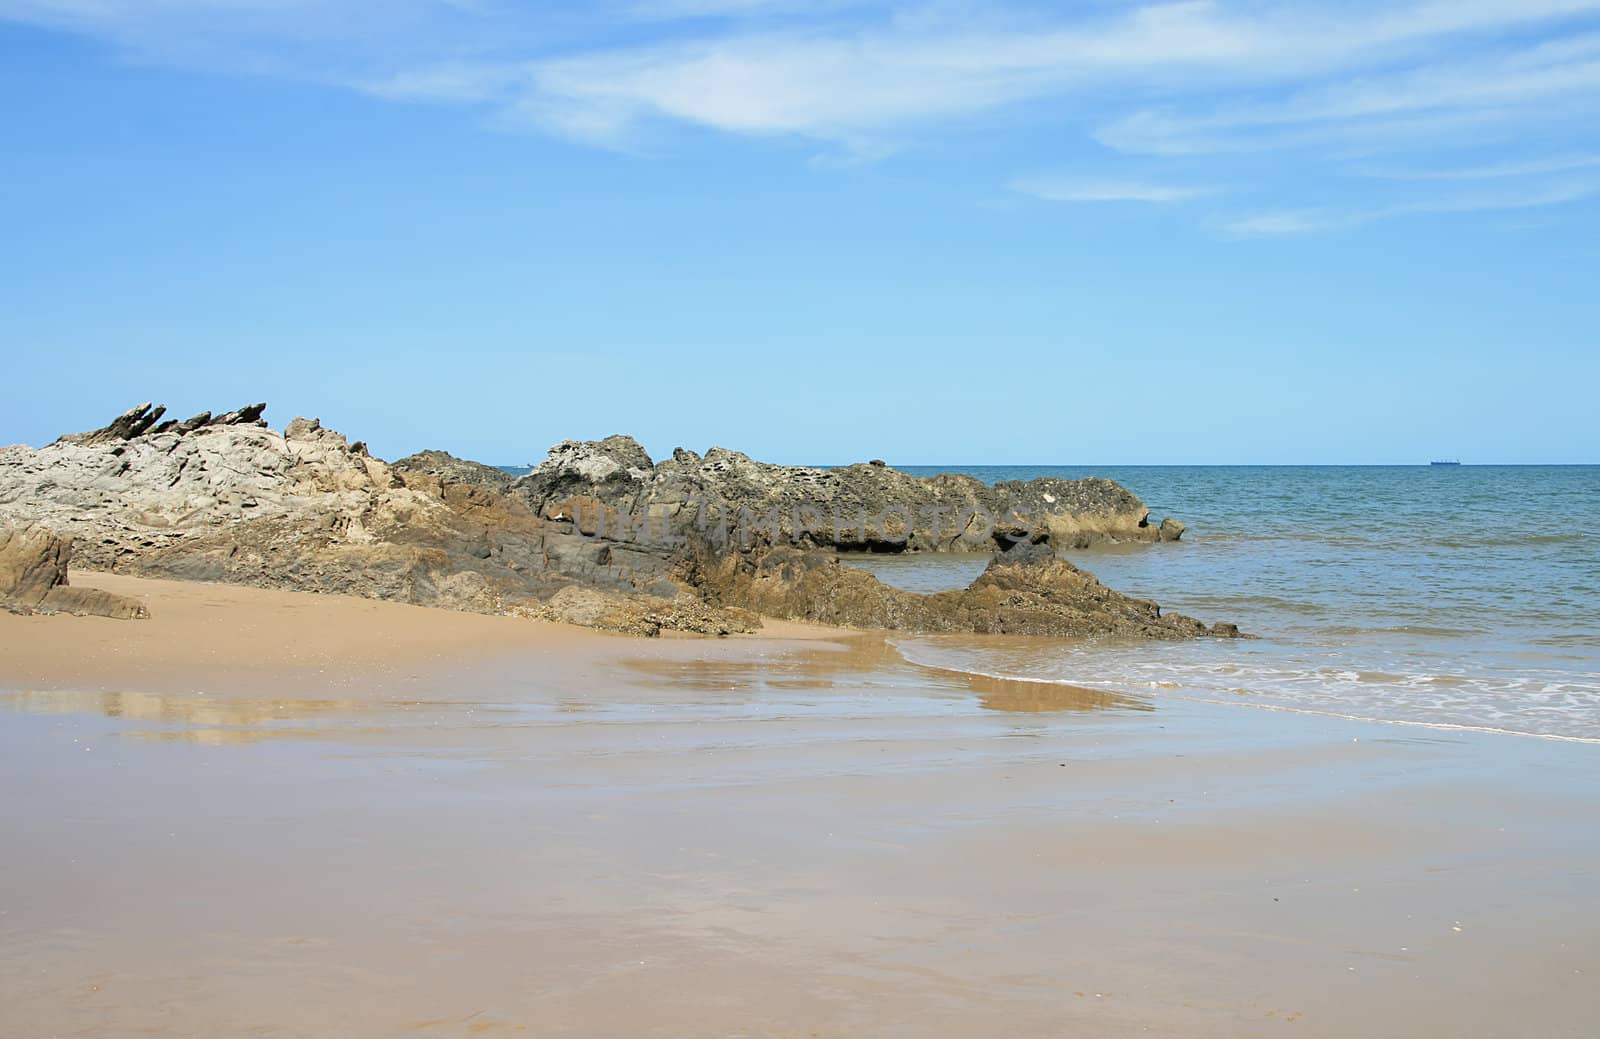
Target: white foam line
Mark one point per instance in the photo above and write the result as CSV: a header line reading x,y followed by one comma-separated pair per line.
x,y
1447,726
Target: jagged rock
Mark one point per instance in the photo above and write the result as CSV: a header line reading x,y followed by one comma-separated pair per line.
x,y
31,563
863,507
228,499
451,469
247,415
614,470
1026,590
125,426
306,510
33,579
1170,530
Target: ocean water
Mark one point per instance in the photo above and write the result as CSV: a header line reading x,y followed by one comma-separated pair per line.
x,y
1451,597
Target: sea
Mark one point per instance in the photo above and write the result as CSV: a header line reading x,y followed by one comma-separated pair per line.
x,y
1453,597
1450,597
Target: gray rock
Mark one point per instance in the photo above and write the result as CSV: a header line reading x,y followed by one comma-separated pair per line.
x,y
865,507
131,423
228,499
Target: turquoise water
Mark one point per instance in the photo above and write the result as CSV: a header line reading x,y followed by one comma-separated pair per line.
x,y
1442,596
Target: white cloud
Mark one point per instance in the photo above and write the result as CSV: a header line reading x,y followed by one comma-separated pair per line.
x,y
1283,223
1295,222
671,10
1069,189
1189,81
1465,85
1497,171
844,77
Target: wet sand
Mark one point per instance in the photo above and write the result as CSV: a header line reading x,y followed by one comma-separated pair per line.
x,y
274,814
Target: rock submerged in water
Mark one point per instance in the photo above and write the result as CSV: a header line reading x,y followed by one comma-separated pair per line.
x,y
1026,590
229,499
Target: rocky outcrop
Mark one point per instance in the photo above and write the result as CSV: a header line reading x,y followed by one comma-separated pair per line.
x,y
33,579
146,418
644,614
597,534
450,469
866,507
303,509
1026,590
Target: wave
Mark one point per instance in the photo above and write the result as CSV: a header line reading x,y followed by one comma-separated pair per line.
x,y
1431,631
1187,687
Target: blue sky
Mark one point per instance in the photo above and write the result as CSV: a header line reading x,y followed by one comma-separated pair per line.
x,y
819,232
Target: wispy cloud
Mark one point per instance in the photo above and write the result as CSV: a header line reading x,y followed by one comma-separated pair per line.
x,y
1071,189
1285,223
674,10
1296,222
825,84
1495,171
1503,87
1213,91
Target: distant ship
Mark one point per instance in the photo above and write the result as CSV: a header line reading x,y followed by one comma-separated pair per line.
x,y
1446,461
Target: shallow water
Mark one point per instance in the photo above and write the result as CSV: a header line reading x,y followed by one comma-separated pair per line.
x,y
677,838
1445,596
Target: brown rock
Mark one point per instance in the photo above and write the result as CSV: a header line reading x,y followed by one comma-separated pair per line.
x,y
598,534
1026,590
33,579
643,614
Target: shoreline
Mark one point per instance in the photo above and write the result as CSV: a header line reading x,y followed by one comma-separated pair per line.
x,y
316,630
1309,712
221,632
444,824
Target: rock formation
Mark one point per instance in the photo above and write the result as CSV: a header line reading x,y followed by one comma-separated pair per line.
x,y
33,579
597,534
864,507
450,469
1026,590
146,418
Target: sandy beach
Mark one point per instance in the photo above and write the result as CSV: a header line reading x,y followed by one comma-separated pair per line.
x,y
271,813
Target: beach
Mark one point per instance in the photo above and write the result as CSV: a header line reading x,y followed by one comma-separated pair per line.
x,y
286,814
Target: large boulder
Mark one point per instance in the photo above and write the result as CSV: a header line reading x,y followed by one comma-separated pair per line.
x,y
33,579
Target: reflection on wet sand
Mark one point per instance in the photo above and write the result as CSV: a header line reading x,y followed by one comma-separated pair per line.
x,y
208,720
858,660
1004,694
588,836
855,666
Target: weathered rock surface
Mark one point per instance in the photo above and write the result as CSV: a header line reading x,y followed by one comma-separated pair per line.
x,y
1026,590
229,499
450,469
864,507
146,418
33,579
644,614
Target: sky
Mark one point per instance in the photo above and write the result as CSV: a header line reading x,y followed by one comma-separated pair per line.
x,y
1333,231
